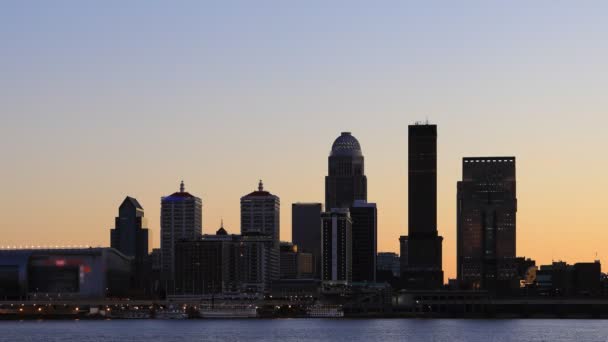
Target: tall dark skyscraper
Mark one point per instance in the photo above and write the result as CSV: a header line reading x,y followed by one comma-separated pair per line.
x,y
346,181
424,245
336,246
181,218
364,241
130,235
487,207
306,231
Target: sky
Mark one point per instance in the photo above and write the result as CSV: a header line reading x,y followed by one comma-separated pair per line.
x,y
100,100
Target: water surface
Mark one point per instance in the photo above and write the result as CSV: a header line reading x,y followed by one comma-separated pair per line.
x,y
286,330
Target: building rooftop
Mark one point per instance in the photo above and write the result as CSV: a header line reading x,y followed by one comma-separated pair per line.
x,y
346,145
133,202
260,192
180,195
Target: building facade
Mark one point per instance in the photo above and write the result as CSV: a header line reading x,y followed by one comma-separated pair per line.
x,y
364,241
210,265
181,218
423,270
296,264
306,231
260,230
346,181
336,246
130,235
65,273
486,222
389,262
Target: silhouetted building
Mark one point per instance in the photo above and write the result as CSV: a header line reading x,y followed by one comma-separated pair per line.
x,y
260,228
364,218
210,265
154,266
181,218
389,262
294,263
259,263
424,246
346,181
130,237
562,280
486,223
587,278
64,273
306,231
336,246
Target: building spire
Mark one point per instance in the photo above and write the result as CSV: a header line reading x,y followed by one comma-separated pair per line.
x,y
181,187
222,223
260,186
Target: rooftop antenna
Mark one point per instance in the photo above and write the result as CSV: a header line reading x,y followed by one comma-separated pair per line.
x,y
260,186
181,186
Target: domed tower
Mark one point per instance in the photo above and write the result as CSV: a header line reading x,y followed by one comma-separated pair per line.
x,y
346,181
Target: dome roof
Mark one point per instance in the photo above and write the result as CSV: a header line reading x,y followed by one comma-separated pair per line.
x,y
346,145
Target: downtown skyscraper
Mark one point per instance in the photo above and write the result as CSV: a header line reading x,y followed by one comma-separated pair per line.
x,y
346,189
364,241
306,231
486,226
346,181
260,230
336,246
130,233
181,218
423,245
130,237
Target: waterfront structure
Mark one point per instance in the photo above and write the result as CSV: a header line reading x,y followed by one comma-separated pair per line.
x,y
295,264
486,223
64,273
260,230
346,181
306,231
210,265
364,241
563,280
423,270
181,218
336,246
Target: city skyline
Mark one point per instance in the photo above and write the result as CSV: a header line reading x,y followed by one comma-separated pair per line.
x,y
235,229
221,97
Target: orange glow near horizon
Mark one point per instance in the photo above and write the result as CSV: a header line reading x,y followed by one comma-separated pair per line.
x,y
230,94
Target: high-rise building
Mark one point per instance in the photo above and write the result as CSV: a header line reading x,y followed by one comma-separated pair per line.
x,y
336,246
486,217
130,235
424,245
260,228
306,231
209,265
346,181
181,218
364,241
